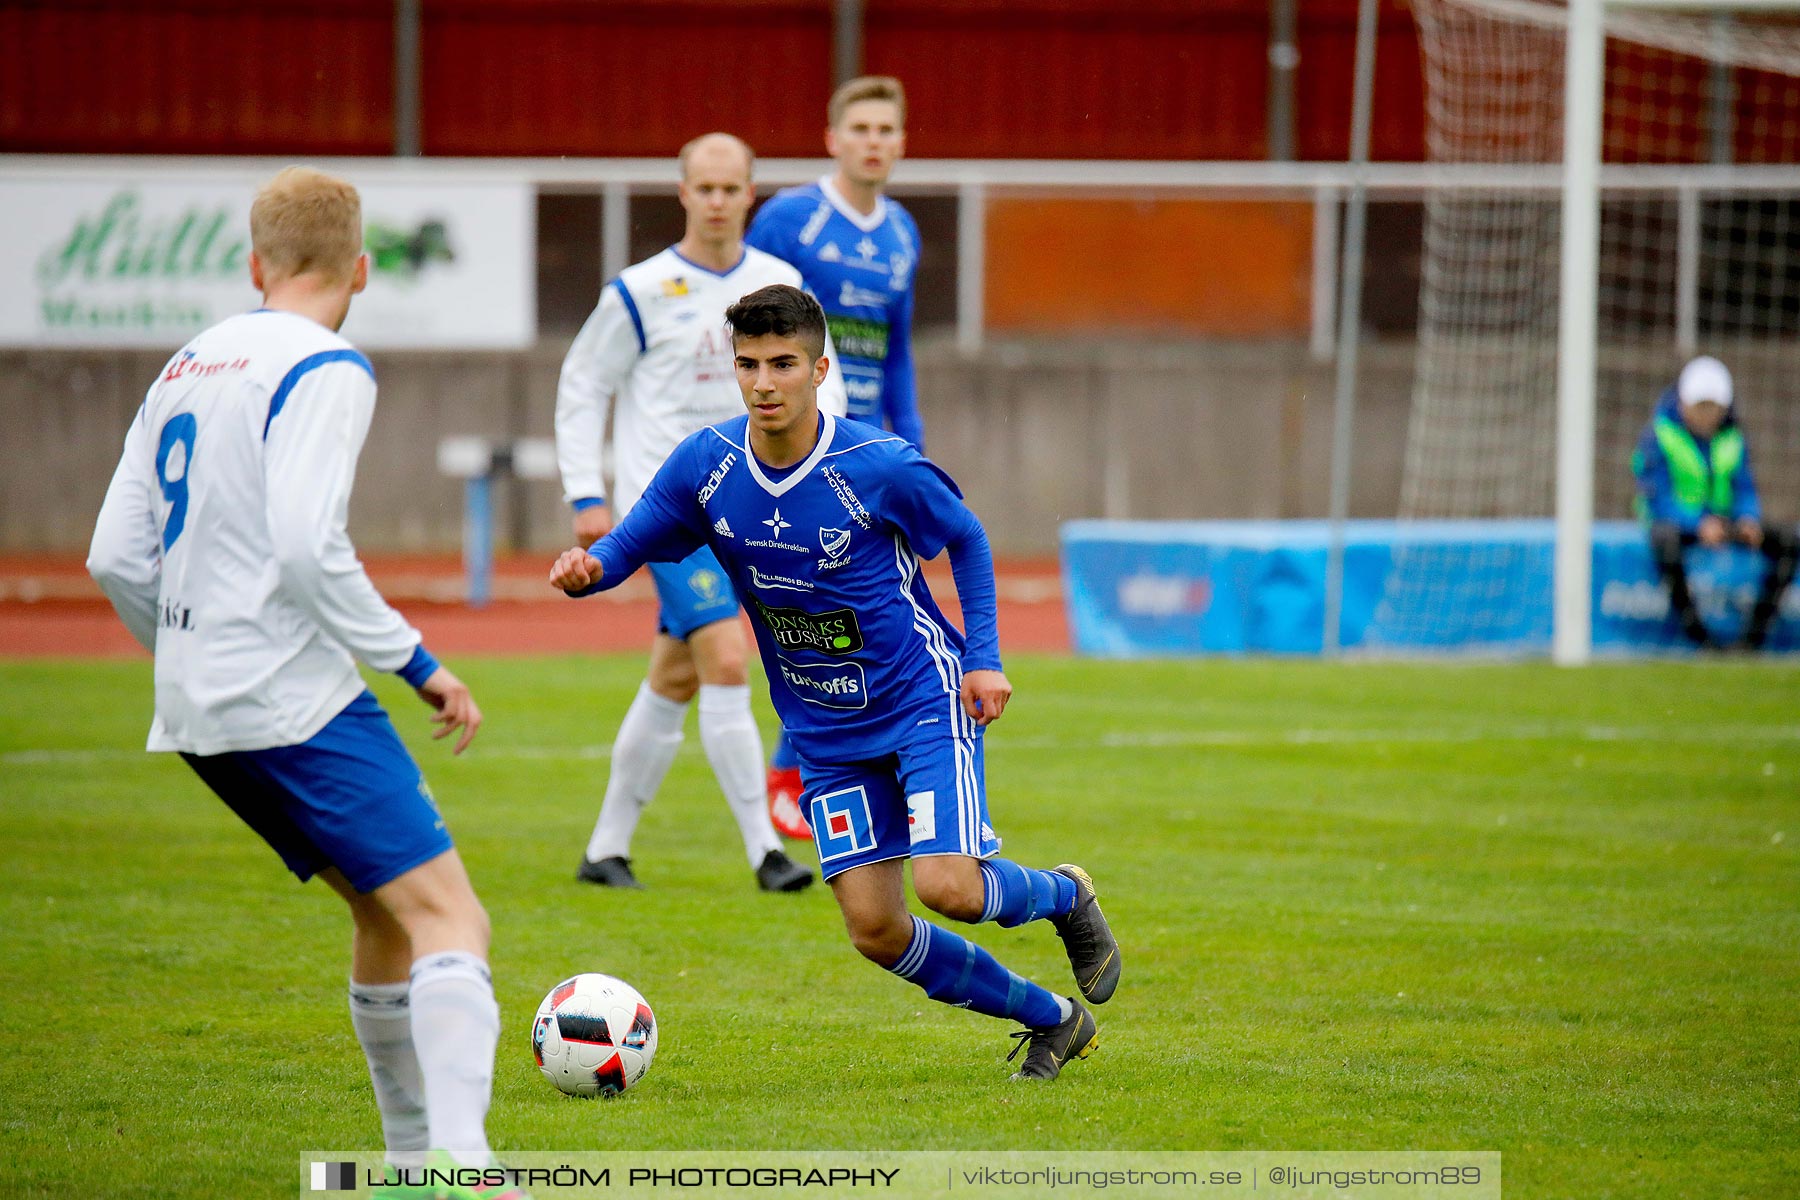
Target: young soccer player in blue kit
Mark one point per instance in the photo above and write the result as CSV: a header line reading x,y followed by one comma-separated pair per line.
x,y
857,251
821,524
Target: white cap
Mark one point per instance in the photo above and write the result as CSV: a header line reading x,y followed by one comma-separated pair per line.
x,y
1706,378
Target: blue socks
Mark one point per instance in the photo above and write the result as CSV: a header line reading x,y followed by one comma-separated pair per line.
x,y
1015,894
957,972
784,758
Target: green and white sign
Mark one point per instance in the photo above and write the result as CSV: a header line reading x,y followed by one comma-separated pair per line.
x,y
151,262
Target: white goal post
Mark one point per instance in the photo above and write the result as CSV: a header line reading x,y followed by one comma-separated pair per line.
x,y
1677,231
1577,333
1577,369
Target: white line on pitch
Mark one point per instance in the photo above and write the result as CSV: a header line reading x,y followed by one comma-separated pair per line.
x,y
1138,739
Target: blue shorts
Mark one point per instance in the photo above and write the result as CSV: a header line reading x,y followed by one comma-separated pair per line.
x,y
929,798
348,797
694,593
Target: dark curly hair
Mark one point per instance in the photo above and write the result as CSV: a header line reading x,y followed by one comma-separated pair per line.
x,y
783,311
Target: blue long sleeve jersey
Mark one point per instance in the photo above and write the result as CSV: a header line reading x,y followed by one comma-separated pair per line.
x,y
861,271
1656,487
826,557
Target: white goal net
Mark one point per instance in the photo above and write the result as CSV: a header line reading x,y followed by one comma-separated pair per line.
x,y
1699,253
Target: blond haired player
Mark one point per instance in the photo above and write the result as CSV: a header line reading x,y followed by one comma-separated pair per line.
x,y
222,545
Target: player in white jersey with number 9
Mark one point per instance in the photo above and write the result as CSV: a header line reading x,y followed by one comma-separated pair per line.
x,y
222,545
658,346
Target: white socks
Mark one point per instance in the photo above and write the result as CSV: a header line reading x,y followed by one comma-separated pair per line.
x,y
455,1025
382,1018
648,738
430,1045
734,747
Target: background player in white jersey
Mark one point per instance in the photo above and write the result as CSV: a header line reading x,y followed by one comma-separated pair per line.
x,y
857,250
885,698
222,545
657,344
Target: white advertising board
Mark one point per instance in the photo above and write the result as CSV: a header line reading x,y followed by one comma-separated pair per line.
x,y
143,261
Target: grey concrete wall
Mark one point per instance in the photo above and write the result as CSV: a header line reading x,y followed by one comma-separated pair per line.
x,y
1036,433
1044,433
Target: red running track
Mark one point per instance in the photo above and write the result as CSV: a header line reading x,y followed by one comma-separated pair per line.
x,y
49,607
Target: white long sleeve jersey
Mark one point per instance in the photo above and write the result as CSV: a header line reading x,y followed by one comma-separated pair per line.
x,y
658,344
222,542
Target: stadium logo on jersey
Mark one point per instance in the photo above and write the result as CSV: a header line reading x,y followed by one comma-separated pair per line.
x,y
841,823
788,582
829,685
851,296
835,633
722,527
847,496
677,286
717,477
834,541
814,224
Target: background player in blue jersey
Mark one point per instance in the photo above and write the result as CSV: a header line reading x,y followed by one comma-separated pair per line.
x,y
857,251
821,524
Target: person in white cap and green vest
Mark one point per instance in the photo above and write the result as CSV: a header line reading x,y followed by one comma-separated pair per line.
x,y
1695,487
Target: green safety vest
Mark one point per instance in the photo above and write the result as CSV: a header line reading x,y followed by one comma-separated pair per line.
x,y
1700,483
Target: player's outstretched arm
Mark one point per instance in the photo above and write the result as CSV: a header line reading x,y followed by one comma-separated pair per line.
x,y
456,708
984,695
665,525
576,571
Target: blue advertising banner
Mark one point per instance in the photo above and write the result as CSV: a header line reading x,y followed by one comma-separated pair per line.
x,y
1137,588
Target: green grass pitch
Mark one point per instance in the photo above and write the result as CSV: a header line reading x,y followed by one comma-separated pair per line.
x,y
1551,913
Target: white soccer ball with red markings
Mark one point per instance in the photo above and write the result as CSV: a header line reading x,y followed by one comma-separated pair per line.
x,y
593,1036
